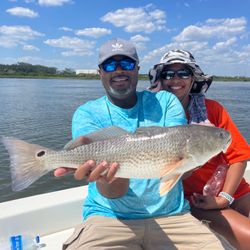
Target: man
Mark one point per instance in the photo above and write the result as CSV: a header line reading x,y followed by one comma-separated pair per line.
x,y
129,213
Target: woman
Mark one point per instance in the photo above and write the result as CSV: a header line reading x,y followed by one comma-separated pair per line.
x,y
227,206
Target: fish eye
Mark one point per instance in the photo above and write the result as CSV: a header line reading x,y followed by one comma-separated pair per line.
x,y
40,154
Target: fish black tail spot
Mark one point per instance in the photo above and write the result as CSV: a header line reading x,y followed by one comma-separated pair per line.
x,y
41,153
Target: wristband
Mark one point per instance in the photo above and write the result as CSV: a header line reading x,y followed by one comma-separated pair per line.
x,y
227,197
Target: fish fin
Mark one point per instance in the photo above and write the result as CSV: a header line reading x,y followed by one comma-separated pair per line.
x,y
147,131
76,143
26,162
168,169
106,133
167,184
99,135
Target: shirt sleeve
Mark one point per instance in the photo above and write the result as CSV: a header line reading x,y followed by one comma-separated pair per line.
x,y
84,122
239,149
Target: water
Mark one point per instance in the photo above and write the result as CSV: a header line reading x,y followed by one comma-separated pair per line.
x,y
40,111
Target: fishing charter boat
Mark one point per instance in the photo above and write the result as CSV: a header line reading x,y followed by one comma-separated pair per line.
x,y
52,216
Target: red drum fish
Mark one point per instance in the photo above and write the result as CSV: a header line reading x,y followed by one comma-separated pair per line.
x,y
150,152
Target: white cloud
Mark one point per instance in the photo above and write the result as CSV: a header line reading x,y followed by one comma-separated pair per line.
x,y
18,31
244,55
30,48
20,11
73,45
224,45
77,52
7,42
140,41
66,29
216,45
53,2
213,28
139,38
144,19
155,55
29,1
69,42
11,36
93,32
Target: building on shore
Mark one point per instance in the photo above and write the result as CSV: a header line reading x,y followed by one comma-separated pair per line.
x,y
86,71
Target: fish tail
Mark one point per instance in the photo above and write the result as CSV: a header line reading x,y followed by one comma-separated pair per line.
x,y
26,162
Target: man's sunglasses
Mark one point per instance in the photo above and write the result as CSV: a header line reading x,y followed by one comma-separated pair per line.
x,y
125,64
182,73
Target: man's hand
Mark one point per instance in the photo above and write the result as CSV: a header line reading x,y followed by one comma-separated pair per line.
x,y
62,171
81,140
103,172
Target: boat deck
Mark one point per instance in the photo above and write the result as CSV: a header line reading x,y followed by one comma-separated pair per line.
x,y
52,216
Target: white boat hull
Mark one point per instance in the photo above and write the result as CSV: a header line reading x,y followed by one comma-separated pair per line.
x,y
52,215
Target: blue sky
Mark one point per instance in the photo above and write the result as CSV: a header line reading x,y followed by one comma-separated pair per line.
x,y
68,33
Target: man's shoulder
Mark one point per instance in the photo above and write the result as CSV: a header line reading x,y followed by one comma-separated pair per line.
x,y
158,95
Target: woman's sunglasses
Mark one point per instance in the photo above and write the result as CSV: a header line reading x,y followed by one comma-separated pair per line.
x,y
125,64
182,73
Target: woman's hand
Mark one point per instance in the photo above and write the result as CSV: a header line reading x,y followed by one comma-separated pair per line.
x,y
208,202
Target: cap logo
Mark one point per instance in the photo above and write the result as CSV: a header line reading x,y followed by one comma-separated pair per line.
x,y
117,46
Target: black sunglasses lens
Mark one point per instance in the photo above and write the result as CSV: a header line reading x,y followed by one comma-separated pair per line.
x,y
182,73
169,74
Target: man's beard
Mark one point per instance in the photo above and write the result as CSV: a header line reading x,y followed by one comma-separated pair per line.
x,y
120,93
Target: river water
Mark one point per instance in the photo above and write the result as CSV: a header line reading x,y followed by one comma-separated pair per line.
x,y
40,111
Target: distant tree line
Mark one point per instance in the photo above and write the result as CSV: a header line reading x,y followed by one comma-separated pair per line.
x,y
232,78
27,69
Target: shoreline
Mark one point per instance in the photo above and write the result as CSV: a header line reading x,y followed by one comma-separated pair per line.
x,y
96,77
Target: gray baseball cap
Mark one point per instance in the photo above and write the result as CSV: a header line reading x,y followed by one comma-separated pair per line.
x,y
117,46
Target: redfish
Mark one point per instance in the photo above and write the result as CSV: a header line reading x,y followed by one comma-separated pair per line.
x,y
150,152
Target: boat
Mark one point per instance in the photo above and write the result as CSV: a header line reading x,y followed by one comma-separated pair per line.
x,y
52,216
